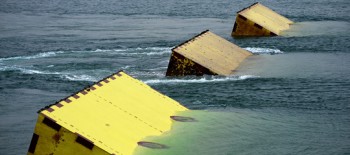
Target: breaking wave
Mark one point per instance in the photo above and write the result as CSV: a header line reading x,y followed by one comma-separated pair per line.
x,y
63,75
135,51
36,56
149,51
201,80
126,51
258,50
26,70
71,77
153,75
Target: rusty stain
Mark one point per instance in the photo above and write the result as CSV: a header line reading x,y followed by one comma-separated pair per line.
x,y
56,138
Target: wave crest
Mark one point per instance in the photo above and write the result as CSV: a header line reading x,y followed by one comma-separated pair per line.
x,y
36,56
258,50
125,51
200,80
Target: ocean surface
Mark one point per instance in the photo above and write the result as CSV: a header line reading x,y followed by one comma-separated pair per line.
x,y
291,97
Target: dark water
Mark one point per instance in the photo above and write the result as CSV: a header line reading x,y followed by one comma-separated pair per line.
x,y
291,97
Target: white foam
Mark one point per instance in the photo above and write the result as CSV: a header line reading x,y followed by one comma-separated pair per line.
x,y
72,77
157,69
36,56
201,80
32,71
132,51
149,73
154,51
158,48
125,67
25,70
99,50
258,50
127,51
64,75
144,53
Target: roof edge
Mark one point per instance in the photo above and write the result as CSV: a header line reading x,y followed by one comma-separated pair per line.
x,y
190,39
85,88
248,7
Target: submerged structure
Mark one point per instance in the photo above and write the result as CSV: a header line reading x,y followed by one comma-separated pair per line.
x,y
258,20
206,53
110,117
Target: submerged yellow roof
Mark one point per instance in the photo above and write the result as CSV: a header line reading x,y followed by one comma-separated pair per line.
x,y
266,18
115,113
213,52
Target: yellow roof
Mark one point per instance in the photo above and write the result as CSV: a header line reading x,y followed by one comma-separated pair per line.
x,y
213,52
115,113
266,18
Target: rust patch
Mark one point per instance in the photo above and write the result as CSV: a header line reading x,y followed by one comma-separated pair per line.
x,y
56,138
106,80
99,84
112,77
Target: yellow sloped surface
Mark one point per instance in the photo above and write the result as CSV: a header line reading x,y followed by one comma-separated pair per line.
x,y
271,14
116,114
214,53
266,18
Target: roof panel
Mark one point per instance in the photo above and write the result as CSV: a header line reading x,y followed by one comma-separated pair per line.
x,y
213,52
266,18
116,113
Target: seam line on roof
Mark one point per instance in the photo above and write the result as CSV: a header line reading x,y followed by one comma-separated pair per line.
x,y
125,111
157,92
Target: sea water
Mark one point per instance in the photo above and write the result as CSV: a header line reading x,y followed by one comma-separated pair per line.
x,y
291,97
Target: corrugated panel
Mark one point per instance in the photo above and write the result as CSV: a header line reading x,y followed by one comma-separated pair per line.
x,y
263,17
114,114
207,50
